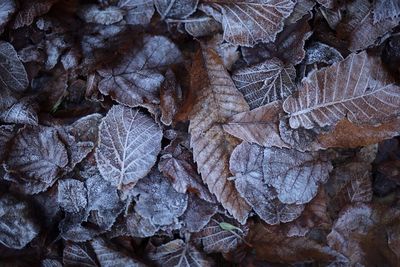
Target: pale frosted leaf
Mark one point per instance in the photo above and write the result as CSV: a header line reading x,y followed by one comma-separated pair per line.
x,y
129,142
110,257
248,22
215,237
246,165
218,99
72,195
95,14
137,78
358,27
12,72
138,12
178,253
295,175
86,129
22,112
301,8
198,213
258,126
386,9
320,52
137,226
157,200
175,8
78,255
37,155
356,88
30,10
17,226
7,9
202,26
265,82
6,134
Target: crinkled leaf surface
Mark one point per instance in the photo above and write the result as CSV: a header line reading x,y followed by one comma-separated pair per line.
x,y
180,254
78,255
137,226
157,200
106,16
248,22
217,100
386,9
258,126
22,112
265,82
12,72
137,78
175,8
301,8
138,12
356,88
37,155
198,213
129,142
295,175
17,226
72,195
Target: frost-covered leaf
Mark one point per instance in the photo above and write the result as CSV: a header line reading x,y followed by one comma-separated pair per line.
x,y
30,10
177,253
221,234
137,78
138,12
137,226
78,255
12,72
218,99
386,9
6,134
301,8
357,26
295,175
86,129
356,88
157,200
72,195
265,82
37,155
51,263
198,213
22,112
258,126
246,166
129,142
17,225
251,21
175,8
202,26
176,163
106,16
7,9
110,257
320,52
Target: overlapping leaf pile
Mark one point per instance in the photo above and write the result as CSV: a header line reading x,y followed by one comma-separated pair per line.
x,y
199,132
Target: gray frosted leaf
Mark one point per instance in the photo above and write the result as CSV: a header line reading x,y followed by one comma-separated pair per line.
x,y
86,129
78,255
71,228
110,257
202,26
198,213
295,175
138,12
301,139
178,253
72,195
265,82
137,78
7,9
17,226
50,263
137,226
37,155
129,142
22,112
157,200
30,10
176,8
248,22
319,52
221,234
6,134
386,9
12,72
106,16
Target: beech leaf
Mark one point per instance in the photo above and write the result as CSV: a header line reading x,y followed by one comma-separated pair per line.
x,y
218,99
129,142
12,72
356,88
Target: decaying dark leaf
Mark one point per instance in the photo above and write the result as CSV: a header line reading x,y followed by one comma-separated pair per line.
x,y
129,142
17,225
6,134
217,100
202,26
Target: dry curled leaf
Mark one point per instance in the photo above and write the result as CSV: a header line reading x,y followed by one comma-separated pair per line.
x,y
356,88
265,82
251,21
217,100
295,175
129,142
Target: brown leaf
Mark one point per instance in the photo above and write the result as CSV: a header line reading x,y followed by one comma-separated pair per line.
x,y
170,97
202,26
218,99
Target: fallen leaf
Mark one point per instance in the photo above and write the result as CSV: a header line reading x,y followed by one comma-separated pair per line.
x,y
319,52
198,213
138,12
29,11
72,195
95,14
385,9
7,9
176,8
78,254
22,112
6,134
170,97
138,226
202,26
